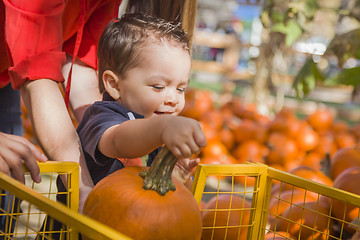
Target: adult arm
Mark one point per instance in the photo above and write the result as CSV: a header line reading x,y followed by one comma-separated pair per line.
x,y
53,127
84,86
16,150
34,40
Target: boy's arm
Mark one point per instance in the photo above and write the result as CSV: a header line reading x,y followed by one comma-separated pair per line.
x,y
136,138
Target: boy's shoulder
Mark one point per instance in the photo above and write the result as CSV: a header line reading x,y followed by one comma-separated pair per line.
x,y
107,106
103,114
108,109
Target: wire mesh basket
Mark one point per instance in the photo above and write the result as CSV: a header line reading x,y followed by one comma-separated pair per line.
x,y
31,211
254,201
238,201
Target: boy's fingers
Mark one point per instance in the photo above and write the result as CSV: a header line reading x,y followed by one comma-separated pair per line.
x,y
200,139
186,151
194,147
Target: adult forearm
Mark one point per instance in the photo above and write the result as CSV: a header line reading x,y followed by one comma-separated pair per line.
x,y
52,125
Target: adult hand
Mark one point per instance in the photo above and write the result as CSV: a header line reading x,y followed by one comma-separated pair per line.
x,y
183,168
16,150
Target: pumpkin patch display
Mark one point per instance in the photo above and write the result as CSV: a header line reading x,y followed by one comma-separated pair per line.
x,y
145,203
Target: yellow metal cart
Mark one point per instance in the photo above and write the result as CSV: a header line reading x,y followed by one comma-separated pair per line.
x,y
26,213
269,212
260,186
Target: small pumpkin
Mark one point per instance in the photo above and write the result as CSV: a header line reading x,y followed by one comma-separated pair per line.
x,y
282,201
226,216
348,181
321,119
306,221
148,206
343,159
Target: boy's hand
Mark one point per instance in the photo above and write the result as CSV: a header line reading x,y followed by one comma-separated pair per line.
x,y
183,168
183,136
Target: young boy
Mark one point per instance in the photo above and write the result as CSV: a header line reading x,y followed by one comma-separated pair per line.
x,y
144,67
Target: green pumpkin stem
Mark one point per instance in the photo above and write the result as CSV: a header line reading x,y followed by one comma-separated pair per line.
x,y
159,176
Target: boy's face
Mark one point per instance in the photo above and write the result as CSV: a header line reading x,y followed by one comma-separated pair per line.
x,y
157,85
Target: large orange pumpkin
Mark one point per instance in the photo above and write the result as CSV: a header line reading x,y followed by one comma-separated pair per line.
x,y
222,216
122,201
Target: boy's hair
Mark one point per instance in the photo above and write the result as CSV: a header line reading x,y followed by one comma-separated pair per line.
x,y
121,43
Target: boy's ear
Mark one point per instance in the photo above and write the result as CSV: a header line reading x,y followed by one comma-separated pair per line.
x,y
111,81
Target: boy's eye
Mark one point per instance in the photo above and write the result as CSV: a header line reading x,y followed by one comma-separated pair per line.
x,y
158,87
182,90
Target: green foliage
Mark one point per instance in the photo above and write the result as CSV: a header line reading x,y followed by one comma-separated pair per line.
x,y
306,79
349,76
289,17
292,30
293,19
310,8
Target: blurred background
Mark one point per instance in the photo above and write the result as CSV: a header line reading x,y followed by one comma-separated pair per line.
x,y
274,52
274,81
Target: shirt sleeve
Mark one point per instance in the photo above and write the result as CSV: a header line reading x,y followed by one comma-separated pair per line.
x,y
34,40
96,120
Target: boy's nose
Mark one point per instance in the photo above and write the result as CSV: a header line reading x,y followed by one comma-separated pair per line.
x,y
172,98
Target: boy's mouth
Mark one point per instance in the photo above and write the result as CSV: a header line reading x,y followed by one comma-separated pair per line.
x,y
160,113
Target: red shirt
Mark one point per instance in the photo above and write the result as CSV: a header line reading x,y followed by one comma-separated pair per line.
x,y
38,33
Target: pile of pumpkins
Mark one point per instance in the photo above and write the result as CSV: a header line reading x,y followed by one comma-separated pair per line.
x,y
317,147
